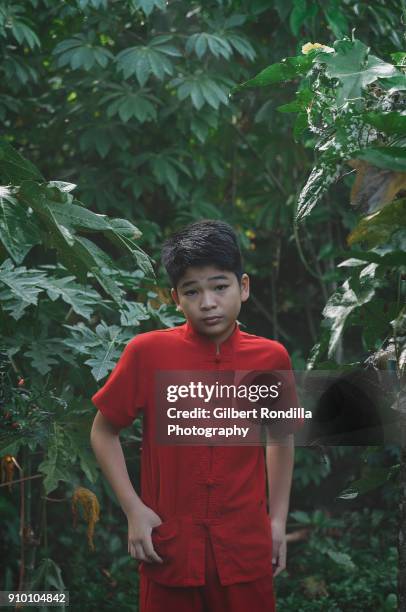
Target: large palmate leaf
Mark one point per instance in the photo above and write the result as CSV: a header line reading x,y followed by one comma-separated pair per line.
x,y
82,51
44,353
354,68
146,60
83,300
202,42
148,5
60,217
105,345
201,89
127,103
19,288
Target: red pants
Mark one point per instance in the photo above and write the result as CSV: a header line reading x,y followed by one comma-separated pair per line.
x,y
255,596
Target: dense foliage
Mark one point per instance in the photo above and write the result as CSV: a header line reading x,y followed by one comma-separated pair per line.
x,y
118,127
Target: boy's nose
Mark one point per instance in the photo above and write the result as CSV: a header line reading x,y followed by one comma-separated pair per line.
x,y
208,301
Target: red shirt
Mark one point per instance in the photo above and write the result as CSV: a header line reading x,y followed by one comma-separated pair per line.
x,y
197,491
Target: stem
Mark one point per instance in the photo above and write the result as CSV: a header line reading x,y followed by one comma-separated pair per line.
x,y
6,484
22,526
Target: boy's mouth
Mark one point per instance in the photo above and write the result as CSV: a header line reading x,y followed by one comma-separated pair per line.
x,y
212,320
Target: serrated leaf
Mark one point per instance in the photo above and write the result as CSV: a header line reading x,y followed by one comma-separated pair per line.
x,y
133,313
82,300
23,287
339,307
320,179
105,345
18,232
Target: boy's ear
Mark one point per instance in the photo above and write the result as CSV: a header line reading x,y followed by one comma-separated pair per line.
x,y
245,287
175,298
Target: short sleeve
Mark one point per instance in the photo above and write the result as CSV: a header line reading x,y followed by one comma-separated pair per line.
x,y
122,396
288,398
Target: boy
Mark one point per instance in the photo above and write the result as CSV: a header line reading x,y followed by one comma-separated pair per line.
x,y
200,528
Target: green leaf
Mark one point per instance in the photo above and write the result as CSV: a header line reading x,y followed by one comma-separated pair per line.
x,y
395,83
83,300
303,99
298,15
399,57
341,559
201,88
15,168
375,477
354,68
290,68
301,517
99,263
242,45
81,52
56,465
23,33
48,574
137,106
149,5
18,231
320,179
23,287
377,228
42,353
203,41
340,305
143,61
336,18
392,158
104,345
390,123
133,313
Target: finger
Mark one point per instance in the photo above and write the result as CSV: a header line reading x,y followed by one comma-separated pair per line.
x,y
131,549
140,554
150,552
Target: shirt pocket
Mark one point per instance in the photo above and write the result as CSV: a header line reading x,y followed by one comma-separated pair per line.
x,y
165,531
167,544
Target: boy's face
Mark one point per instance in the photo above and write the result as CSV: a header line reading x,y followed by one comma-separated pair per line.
x,y
210,299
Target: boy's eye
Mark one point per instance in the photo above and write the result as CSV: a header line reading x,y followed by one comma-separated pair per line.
x,y
190,292
221,286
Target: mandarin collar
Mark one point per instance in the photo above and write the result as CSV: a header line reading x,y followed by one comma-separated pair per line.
x,y
226,347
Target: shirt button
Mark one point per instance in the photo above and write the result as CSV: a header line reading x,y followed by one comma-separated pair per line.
x,y
217,358
210,482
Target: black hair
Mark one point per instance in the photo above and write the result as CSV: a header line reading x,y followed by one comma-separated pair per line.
x,y
202,243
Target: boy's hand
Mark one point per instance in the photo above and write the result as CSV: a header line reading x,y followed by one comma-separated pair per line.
x,y
278,547
141,521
